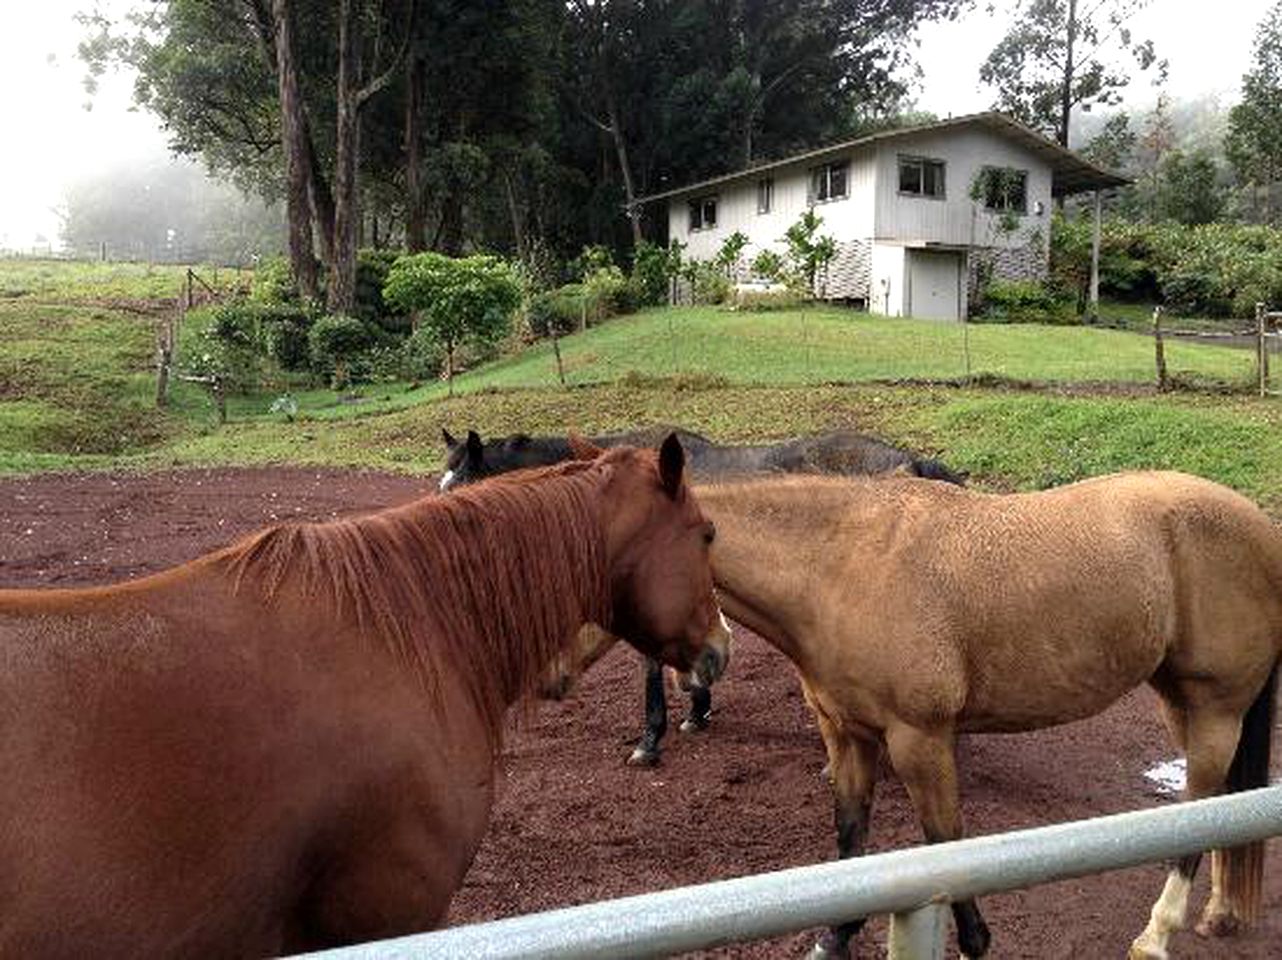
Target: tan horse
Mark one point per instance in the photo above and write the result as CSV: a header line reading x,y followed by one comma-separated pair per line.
x,y
917,610
289,744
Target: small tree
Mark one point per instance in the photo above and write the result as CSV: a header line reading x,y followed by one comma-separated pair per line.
x,y
808,254
470,300
1255,124
730,252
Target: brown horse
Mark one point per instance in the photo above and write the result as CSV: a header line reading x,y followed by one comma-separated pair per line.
x,y
289,744
915,611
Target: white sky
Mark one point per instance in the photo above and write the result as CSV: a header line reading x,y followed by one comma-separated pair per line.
x,y
47,138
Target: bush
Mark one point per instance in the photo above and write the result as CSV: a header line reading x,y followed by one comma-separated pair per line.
x,y
651,276
422,357
606,291
225,345
1024,301
273,282
555,311
768,265
335,343
763,300
372,268
708,282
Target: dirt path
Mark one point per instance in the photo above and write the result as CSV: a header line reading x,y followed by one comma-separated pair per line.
x,y
574,824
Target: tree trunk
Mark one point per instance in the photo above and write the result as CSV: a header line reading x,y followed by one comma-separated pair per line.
x,y
295,144
342,273
322,202
1066,92
621,149
518,231
415,214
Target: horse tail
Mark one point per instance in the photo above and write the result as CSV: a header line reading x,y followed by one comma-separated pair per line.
x,y
934,470
1244,866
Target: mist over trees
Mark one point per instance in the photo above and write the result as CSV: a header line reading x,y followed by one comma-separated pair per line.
x,y
166,211
511,127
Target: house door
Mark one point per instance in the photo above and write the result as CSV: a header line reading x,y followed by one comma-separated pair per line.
x,y
934,284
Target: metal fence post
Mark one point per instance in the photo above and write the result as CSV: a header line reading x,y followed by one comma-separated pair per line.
x,y
918,934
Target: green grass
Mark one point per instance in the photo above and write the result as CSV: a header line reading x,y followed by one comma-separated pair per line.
x,y
68,281
76,391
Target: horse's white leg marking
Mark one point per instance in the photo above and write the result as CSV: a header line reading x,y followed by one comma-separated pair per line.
x,y
1166,918
447,478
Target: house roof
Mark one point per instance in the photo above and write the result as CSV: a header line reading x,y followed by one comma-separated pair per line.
x,y
1070,173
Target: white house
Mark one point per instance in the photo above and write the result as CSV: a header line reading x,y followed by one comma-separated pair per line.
x,y
917,212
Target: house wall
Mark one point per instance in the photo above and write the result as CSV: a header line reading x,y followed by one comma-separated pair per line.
x,y
957,219
875,215
849,221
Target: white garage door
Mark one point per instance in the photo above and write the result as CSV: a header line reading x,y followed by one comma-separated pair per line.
x,y
934,284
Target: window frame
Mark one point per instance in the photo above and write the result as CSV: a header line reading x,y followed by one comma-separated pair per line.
x,y
700,205
826,170
765,195
922,162
990,186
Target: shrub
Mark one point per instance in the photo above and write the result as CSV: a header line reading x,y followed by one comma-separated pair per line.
x,y
768,265
606,292
273,282
372,268
763,300
465,301
335,343
225,346
1024,301
708,282
422,357
555,312
651,277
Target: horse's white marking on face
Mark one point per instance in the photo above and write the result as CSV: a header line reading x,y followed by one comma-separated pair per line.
x,y
447,478
1169,776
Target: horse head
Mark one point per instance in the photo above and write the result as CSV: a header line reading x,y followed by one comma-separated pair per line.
x,y
464,460
659,542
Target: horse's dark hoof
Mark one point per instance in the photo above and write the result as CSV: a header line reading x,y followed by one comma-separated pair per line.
x,y
641,757
830,947
973,939
695,724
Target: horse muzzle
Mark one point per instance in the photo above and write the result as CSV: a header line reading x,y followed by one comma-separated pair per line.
x,y
715,657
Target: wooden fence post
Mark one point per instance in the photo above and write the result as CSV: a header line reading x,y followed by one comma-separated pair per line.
x,y
1159,350
1261,350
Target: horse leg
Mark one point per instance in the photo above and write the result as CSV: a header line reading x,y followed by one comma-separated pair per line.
x,y
700,710
853,762
1209,739
646,753
926,763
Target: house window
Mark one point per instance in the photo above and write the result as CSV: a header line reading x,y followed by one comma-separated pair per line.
x,y
921,177
765,194
1004,190
703,213
828,182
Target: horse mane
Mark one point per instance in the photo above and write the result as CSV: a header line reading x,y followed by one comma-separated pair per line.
x,y
489,582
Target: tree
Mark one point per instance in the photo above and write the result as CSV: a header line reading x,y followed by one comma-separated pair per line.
x,y
808,253
1254,141
1189,191
470,300
1114,146
1059,55
1155,143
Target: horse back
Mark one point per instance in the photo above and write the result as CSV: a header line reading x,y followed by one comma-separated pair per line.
x,y
179,756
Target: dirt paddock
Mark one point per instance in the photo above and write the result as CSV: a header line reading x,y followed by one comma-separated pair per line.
x,y
573,824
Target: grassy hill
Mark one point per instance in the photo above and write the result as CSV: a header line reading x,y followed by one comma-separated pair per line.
x,y
76,387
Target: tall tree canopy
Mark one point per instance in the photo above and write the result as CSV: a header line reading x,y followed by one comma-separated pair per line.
x,y
1254,140
460,125
1064,54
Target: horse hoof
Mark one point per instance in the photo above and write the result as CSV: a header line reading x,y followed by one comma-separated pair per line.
x,y
1140,950
694,724
641,757
827,947
1219,925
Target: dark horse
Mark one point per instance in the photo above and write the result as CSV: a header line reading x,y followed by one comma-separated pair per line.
x,y
842,452
289,744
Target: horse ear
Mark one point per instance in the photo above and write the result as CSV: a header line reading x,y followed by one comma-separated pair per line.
x,y
672,462
450,442
475,449
583,449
